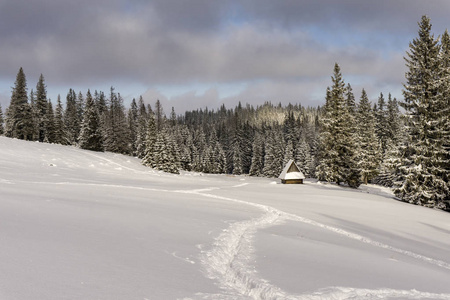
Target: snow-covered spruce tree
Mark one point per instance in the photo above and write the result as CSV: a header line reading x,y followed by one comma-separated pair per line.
x,y
213,159
270,156
394,137
196,164
41,105
132,118
424,156
173,118
257,165
303,156
338,145
353,177
220,159
102,104
274,151
381,125
236,153
160,154
159,116
393,121
173,146
2,129
325,170
164,154
19,123
185,158
50,131
288,152
71,118
141,129
206,160
90,135
369,155
184,140
34,115
350,98
246,147
391,162
199,139
237,159
117,134
60,127
174,154
290,128
150,141
445,112
80,103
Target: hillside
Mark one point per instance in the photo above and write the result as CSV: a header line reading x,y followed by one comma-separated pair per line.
x,y
85,225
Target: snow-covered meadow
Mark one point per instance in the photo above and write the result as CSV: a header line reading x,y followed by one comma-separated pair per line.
x,y
76,224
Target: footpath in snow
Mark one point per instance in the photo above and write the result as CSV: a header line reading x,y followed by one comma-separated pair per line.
x,y
228,261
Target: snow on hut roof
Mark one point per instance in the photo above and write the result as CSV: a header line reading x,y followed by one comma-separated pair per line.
x,y
291,171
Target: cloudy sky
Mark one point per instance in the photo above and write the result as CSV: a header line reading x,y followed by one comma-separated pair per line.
x,y
196,53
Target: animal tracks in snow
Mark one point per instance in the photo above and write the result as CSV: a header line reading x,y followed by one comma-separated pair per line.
x,y
228,261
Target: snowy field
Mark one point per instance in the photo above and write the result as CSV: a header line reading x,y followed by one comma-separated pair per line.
x,y
76,224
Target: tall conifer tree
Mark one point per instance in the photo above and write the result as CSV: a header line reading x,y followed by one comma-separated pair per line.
x,y
381,125
90,134
350,97
369,155
150,141
71,117
50,131
423,174
41,106
391,157
164,153
2,129
117,134
338,144
19,123
141,130
445,110
303,156
159,116
256,169
132,125
60,127
34,114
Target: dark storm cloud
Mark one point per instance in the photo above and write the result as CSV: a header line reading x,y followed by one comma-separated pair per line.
x,y
92,42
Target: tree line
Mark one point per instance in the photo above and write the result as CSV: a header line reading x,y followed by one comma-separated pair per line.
x,y
346,141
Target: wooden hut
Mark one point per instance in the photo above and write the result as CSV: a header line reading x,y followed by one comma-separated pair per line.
x,y
291,174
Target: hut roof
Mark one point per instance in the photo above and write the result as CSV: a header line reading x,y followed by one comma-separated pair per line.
x,y
291,171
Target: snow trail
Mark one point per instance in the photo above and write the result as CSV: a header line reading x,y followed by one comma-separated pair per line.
x,y
354,236
228,260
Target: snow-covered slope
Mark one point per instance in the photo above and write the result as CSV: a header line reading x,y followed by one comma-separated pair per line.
x,y
83,225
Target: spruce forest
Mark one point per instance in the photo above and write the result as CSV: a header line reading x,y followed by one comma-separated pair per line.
x,y
351,140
